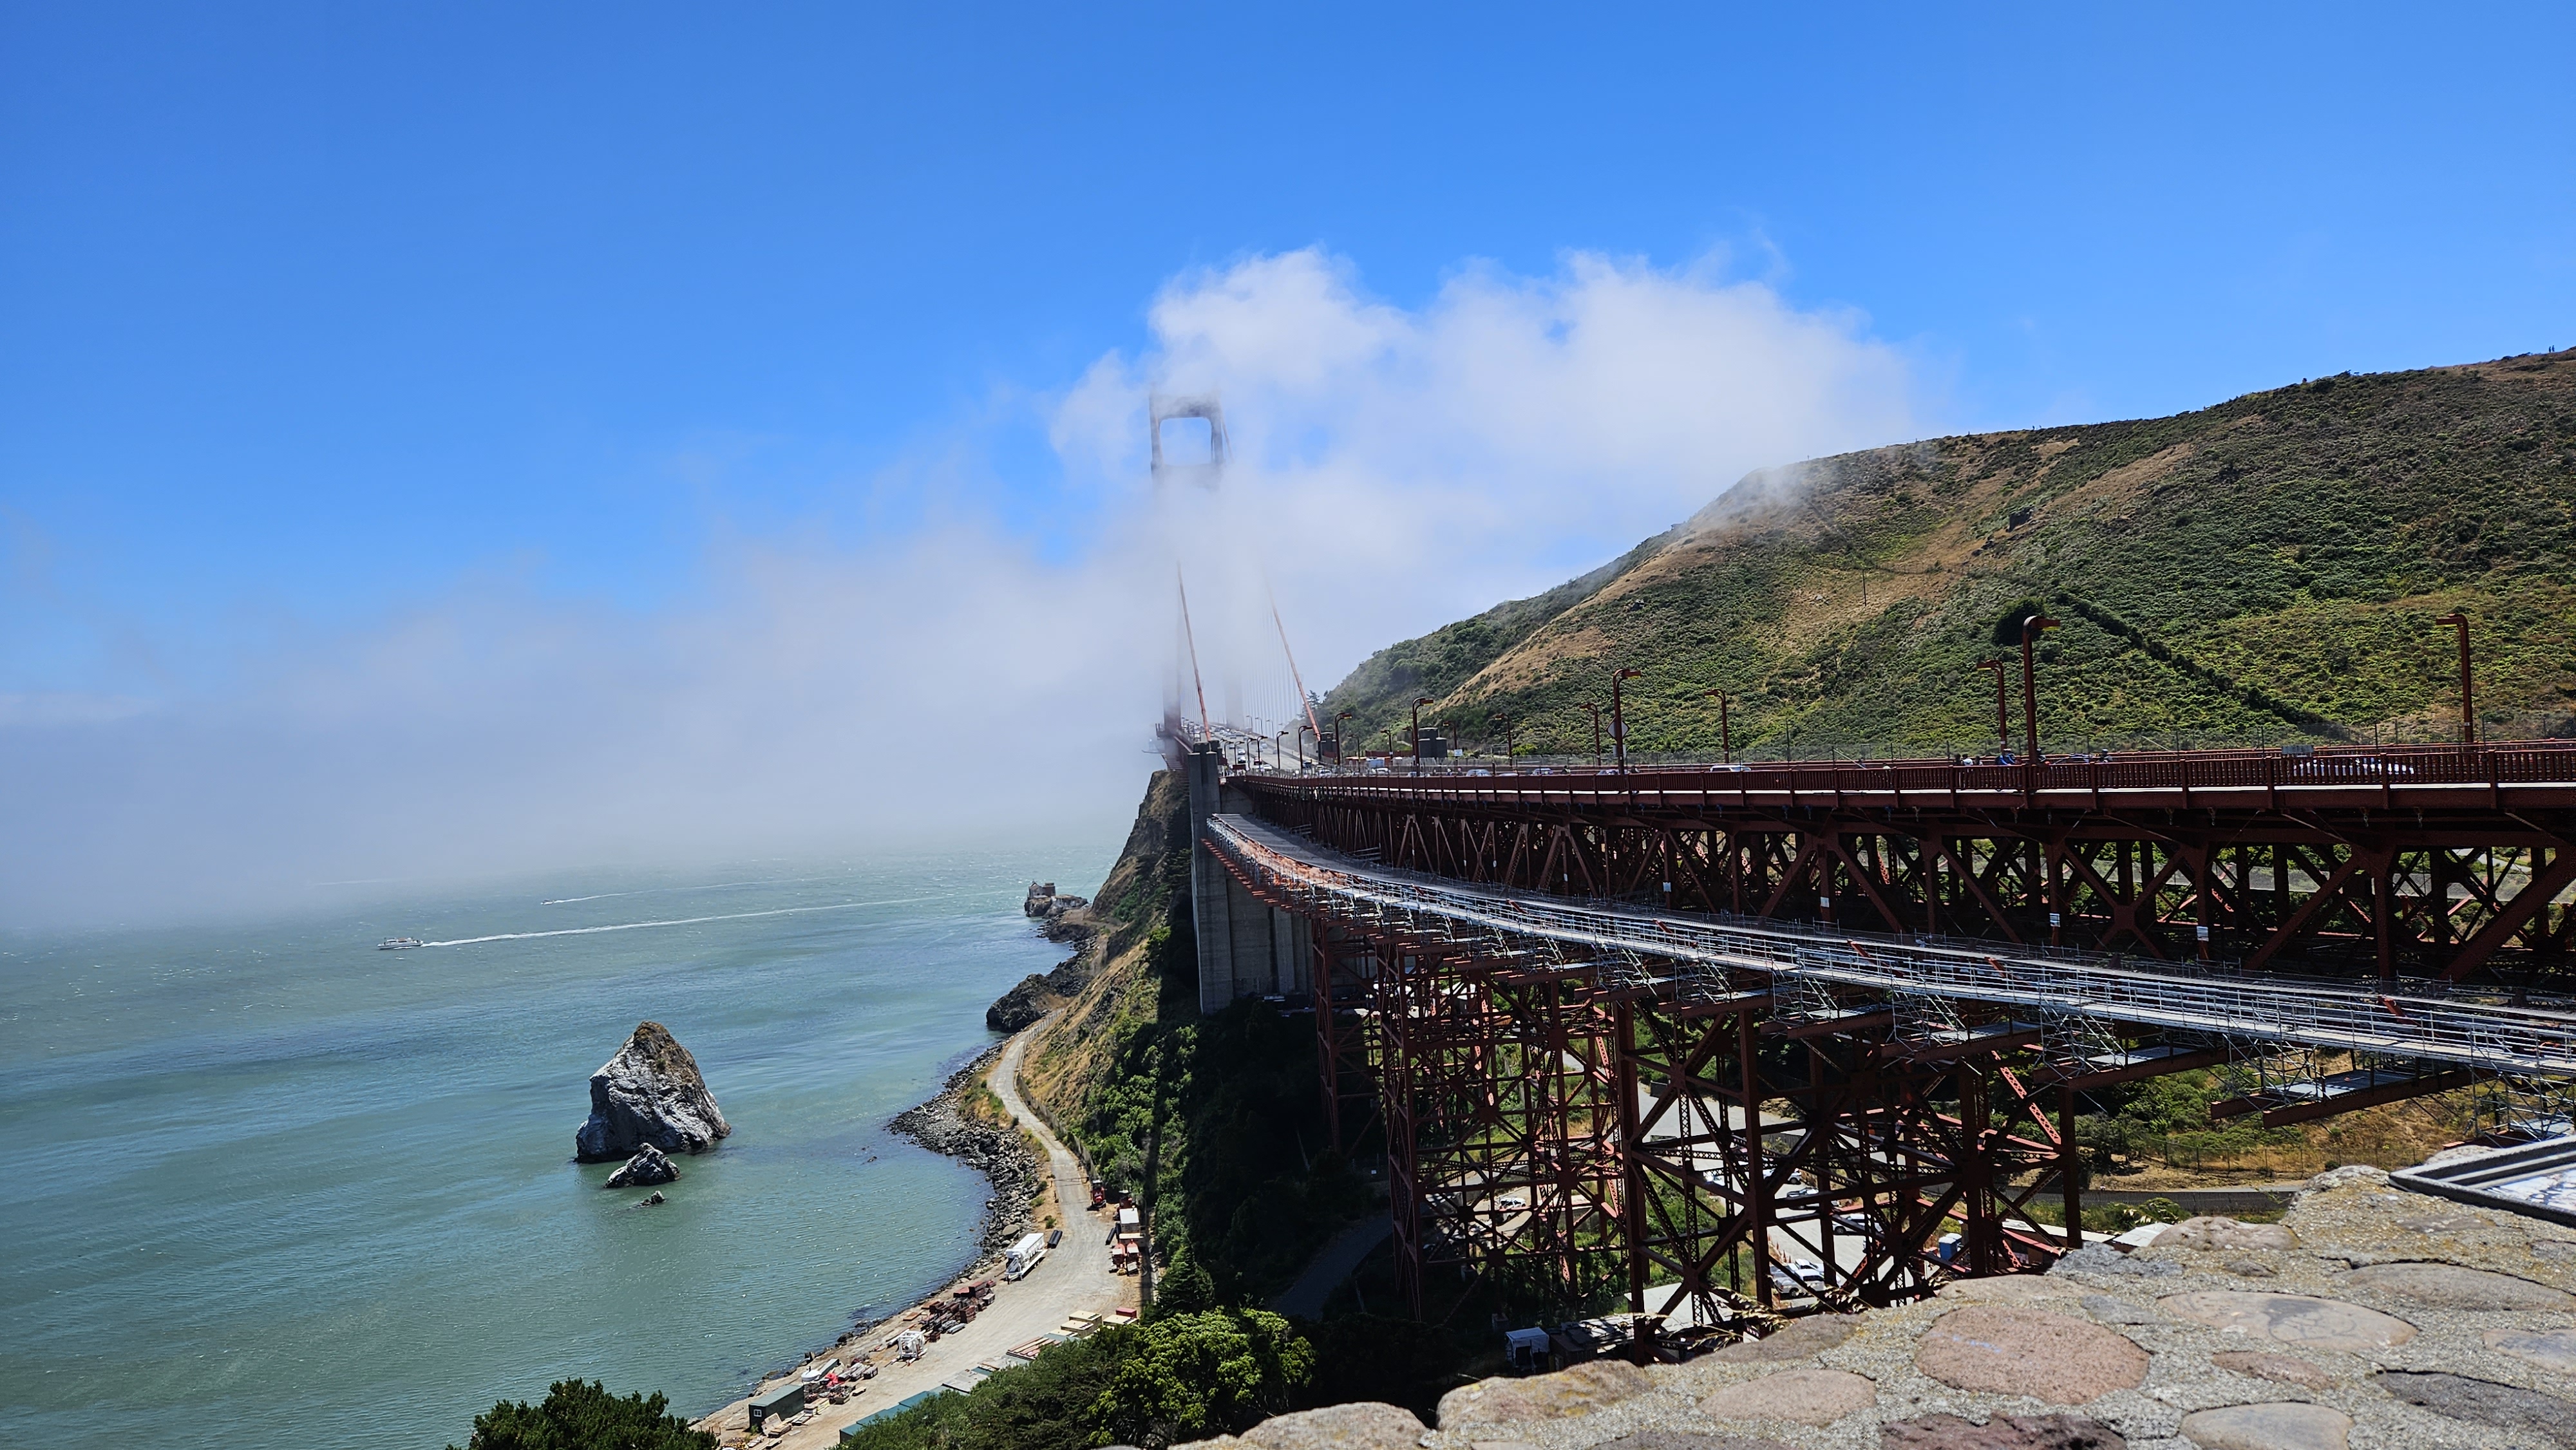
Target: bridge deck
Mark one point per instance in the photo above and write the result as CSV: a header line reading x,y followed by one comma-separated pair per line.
x,y
2489,1036
2526,773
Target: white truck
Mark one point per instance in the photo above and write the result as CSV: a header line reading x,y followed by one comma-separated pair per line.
x,y
1023,1256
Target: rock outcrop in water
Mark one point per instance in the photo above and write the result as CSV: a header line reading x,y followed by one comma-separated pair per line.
x,y
1059,917
649,1094
1038,994
645,1169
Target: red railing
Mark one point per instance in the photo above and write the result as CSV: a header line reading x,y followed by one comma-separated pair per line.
x,y
2386,769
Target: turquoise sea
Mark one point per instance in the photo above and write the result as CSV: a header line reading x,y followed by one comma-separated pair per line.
x,y
268,1185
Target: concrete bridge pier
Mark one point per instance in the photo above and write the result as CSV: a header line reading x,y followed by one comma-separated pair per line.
x,y
1246,949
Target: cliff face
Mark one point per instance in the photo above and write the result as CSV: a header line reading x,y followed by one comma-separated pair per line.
x,y
1145,892
649,1094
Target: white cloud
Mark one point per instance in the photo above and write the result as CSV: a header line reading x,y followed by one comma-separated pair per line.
x,y
953,680
1400,468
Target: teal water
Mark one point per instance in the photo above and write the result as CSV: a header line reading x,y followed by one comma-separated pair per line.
x,y
270,1186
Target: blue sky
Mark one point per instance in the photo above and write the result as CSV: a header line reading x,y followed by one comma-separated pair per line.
x,y
316,318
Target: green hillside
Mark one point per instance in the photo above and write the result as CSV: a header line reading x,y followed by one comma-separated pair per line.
x,y
2264,570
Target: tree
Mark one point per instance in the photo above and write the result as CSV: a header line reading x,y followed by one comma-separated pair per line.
x,y
1187,1288
583,1415
1193,1376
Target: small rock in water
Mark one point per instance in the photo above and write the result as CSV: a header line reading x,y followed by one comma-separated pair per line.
x,y
645,1169
656,1201
649,1094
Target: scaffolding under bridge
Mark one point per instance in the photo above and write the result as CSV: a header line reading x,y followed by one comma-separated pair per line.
x,y
1713,1112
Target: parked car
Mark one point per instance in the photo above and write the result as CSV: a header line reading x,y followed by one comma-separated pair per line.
x,y
1800,1276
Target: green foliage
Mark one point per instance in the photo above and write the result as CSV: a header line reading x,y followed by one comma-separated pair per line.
x,y
1186,1288
583,1415
2167,1118
1213,1122
1173,1377
2261,571
1191,1376
2007,631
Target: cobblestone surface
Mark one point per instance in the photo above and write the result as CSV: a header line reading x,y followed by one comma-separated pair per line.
x,y
2372,1319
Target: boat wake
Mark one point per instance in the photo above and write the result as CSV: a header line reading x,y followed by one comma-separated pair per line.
x,y
467,941
666,890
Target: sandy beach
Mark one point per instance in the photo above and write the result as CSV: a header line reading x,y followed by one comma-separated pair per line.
x,y
1074,1287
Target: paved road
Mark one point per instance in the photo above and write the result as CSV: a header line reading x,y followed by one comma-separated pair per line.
x,y
1332,1263
1075,1276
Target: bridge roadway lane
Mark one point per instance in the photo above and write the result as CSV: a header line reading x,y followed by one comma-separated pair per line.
x,y
2269,1007
1076,1276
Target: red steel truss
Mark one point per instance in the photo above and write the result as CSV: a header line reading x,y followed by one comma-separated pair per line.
x,y
1578,1109
2449,862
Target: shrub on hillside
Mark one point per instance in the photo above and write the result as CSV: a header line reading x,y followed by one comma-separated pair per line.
x,y
583,1415
1171,1378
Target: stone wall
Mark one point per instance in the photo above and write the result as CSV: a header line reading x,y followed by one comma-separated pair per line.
x,y
2370,1318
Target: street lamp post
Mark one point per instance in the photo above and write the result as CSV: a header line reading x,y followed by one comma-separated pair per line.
x,y
1302,732
1341,732
1596,733
1725,737
2468,712
2030,630
2003,726
1417,733
1619,720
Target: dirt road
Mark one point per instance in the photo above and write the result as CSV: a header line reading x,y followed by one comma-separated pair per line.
x,y
1074,1277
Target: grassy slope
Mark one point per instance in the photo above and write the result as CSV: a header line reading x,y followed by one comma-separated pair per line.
x,y
2261,570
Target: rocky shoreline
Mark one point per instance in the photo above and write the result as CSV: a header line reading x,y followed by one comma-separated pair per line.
x,y
999,1152
1060,919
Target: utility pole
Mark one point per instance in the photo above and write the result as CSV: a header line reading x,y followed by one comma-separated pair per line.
x,y
1341,731
1596,733
2030,629
2468,711
2003,725
1618,720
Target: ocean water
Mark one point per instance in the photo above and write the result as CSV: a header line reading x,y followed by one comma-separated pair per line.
x,y
268,1185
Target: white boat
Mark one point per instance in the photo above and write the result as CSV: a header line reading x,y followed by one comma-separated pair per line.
x,y
397,943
